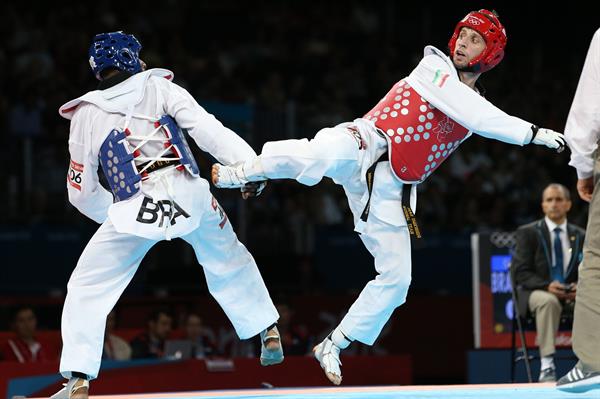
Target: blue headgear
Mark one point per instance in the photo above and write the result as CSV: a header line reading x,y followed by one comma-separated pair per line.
x,y
115,50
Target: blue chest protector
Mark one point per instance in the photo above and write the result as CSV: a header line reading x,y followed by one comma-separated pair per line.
x,y
118,166
179,143
118,163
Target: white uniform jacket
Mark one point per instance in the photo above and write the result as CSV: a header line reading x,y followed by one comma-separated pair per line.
x,y
151,93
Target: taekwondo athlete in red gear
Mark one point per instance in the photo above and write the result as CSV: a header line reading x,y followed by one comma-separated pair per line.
x,y
132,128
378,160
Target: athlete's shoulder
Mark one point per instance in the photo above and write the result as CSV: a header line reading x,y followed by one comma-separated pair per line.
x,y
432,50
158,75
84,110
435,57
78,108
595,44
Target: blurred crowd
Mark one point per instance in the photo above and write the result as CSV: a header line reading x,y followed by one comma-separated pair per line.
x,y
300,66
165,335
324,63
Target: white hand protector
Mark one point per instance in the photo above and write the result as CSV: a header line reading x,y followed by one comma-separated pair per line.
x,y
232,176
328,355
239,175
549,138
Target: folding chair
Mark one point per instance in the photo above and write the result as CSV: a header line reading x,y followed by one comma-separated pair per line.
x,y
521,323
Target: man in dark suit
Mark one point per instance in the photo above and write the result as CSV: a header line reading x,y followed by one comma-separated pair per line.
x,y
151,343
547,255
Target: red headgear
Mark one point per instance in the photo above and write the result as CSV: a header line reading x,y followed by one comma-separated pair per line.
x,y
488,26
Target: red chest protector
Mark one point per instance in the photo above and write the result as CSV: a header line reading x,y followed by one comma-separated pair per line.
x,y
420,137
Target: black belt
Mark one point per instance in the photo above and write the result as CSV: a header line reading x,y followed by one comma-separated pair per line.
x,y
157,165
411,220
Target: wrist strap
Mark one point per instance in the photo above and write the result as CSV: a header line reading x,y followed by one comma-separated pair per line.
x,y
535,130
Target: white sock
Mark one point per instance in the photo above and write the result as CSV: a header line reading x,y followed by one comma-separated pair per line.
x,y
547,362
339,339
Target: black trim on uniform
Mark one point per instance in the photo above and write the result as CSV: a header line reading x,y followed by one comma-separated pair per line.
x,y
411,220
77,374
370,175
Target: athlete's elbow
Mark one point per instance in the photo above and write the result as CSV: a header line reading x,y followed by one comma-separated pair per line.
x,y
76,198
84,205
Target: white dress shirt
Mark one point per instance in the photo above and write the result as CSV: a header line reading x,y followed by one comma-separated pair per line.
x,y
583,124
564,240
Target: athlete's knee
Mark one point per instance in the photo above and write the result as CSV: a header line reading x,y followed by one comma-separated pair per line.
x,y
334,143
399,284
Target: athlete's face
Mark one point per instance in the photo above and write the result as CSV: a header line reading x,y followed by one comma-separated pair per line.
x,y
469,46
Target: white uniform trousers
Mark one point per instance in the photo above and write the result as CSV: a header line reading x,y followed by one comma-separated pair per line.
x,y
339,154
109,262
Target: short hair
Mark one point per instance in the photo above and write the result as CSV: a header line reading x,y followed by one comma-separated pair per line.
x,y
560,187
104,73
15,312
155,314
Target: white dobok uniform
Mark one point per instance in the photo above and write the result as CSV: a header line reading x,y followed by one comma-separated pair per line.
x,y
172,203
345,152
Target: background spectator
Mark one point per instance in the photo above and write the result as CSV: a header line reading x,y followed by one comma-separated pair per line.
x,y
24,348
151,343
115,347
546,263
295,337
203,340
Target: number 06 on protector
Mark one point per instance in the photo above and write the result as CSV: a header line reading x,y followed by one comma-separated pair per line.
x,y
74,176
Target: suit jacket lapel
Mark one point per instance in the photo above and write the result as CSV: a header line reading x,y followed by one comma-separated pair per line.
x,y
544,235
574,239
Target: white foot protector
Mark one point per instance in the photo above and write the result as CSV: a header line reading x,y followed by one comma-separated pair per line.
x,y
328,355
271,351
76,388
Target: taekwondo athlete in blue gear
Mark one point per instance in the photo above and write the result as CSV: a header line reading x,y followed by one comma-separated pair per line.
x,y
133,126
